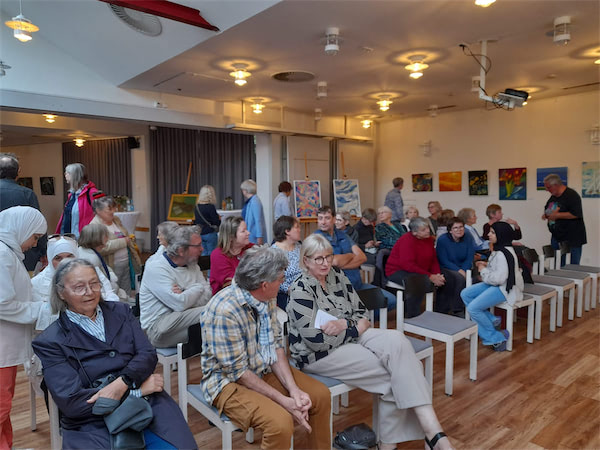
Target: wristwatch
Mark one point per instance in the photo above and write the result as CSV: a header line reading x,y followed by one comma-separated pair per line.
x,y
128,381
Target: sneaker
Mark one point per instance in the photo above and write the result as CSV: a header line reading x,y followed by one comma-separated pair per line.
x,y
497,321
501,346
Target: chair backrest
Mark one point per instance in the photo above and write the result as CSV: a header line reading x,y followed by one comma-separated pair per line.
x,y
193,346
380,261
374,299
549,255
531,256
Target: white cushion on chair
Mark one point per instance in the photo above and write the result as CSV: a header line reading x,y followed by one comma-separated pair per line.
x,y
166,352
327,381
442,323
195,391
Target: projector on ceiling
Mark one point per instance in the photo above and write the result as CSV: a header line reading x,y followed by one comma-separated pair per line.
x,y
511,98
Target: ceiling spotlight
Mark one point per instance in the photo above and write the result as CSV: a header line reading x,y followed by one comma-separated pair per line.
x,y
50,118
366,123
79,142
257,106
318,114
484,3
321,89
417,66
332,41
384,103
562,30
240,73
595,62
22,26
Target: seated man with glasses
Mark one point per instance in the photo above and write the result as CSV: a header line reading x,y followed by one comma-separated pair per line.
x,y
174,290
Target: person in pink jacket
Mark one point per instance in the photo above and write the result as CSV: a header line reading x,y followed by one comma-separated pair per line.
x,y
78,210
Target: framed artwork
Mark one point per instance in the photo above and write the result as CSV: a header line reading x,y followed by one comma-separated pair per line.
x,y
513,183
347,196
478,182
25,181
181,208
422,182
544,172
450,181
590,179
307,196
47,185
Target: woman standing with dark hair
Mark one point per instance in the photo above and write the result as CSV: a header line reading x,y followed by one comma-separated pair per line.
x,y
205,215
78,210
287,238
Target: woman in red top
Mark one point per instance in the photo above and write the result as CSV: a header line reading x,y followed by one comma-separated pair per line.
x,y
233,242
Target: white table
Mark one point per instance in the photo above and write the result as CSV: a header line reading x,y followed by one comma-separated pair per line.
x,y
129,220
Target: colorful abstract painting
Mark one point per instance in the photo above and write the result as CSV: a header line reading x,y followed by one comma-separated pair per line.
x,y
478,182
513,183
590,179
544,172
422,182
450,181
347,196
307,195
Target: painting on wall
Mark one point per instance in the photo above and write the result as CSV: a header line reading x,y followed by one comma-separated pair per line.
x,y
307,195
590,179
47,185
513,183
478,182
181,208
25,181
450,181
422,182
347,196
544,172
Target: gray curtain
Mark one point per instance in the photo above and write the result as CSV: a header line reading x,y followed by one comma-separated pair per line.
x,y
107,161
220,159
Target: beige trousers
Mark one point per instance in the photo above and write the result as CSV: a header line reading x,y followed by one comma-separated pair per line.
x,y
172,328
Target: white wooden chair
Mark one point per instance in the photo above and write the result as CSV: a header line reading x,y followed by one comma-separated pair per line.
x,y
527,302
55,435
168,358
592,271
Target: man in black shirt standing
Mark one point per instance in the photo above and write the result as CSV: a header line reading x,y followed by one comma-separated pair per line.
x,y
564,214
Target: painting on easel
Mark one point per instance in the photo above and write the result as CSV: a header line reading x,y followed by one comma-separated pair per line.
x,y
307,196
347,196
182,207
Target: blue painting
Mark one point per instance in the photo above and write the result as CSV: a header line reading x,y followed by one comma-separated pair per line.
x,y
543,173
347,196
590,179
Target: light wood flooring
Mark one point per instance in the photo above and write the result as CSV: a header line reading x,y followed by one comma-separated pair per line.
x,y
541,395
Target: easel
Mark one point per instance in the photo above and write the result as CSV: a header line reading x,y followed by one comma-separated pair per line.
x,y
306,221
187,183
180,221
345,177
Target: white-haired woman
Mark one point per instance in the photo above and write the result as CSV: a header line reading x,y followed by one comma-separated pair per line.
x,y
386,231
252,213
409,213
347,348
207,218
78,210
20,229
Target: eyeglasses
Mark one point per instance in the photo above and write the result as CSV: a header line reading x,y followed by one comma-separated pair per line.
x,y
81,289
66,236
321,259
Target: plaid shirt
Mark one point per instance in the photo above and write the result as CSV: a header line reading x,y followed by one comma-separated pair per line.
x,y
230,340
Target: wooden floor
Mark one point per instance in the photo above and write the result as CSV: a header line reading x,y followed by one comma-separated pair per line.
x,y
541,395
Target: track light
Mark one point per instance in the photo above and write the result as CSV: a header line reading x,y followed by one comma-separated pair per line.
x,y
240,74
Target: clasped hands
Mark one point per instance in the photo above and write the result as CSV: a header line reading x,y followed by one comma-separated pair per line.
x,y
298,404
116,389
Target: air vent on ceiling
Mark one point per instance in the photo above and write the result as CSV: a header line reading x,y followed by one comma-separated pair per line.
x,y
141,22
293,76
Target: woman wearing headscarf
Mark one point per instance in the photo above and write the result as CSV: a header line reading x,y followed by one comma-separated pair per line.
x,y
20,229
78,210
502,281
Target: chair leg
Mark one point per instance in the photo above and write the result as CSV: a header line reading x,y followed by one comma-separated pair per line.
x,y
375,415
250,435
55,438
594,295
560,299
32,407
344,399
510,312
449,366
553,312
429,373
226,440
335,405
530,323
473,357
580,293
538,318
588,297
167,377
571,313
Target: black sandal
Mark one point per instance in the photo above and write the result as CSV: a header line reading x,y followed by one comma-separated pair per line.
x,y
435,439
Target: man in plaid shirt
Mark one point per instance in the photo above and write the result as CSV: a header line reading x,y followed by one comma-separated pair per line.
x,y
245,370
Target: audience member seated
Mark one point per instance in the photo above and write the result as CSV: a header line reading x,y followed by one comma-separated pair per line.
x,y
173,290
410,213
494,213
347,255
233,242
414,256
287,238
365,228
442,222
245,369
252,213
386,231
163,231
205,216
342,223
119,251
281,203
502,281
468,216
347,348
95,355
455,252
434,208
92,240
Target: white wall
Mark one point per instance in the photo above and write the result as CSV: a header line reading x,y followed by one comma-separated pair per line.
x,y
359,164
545,133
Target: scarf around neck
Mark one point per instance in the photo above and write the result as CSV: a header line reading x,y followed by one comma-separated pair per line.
x,y
266,338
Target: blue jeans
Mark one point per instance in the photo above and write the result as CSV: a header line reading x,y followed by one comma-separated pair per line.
x,y
575,253
209,243
478,298
391,298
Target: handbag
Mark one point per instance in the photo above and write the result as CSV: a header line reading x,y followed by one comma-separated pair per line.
x,y
356,437
214,227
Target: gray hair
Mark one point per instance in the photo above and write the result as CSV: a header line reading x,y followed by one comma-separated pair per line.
x,y
92,235
313,244
57,304
465,214
553,180
166,228
411,208
386,209
249,186
207,195
416,223
102,203
9,166
180,238
78,175
259,264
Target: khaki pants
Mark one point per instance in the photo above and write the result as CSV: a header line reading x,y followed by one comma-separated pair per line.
x,y
172,328
247,408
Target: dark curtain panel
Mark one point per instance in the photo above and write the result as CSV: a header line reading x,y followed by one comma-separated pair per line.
x,y
222,160
108,164
333,168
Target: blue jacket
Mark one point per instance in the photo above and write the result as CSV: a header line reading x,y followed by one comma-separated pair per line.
x,y
72,359
455,255
255,219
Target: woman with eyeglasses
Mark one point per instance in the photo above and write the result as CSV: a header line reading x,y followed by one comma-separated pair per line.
x,y
330,335
95,358
20,229
78,210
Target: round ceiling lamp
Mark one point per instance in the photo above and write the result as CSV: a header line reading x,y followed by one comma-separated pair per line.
x,y
417,66
484,3
240,74
50,118
384,102
79,142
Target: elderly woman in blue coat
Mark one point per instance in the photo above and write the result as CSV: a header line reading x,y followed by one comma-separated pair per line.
x,y
252,213
93,342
